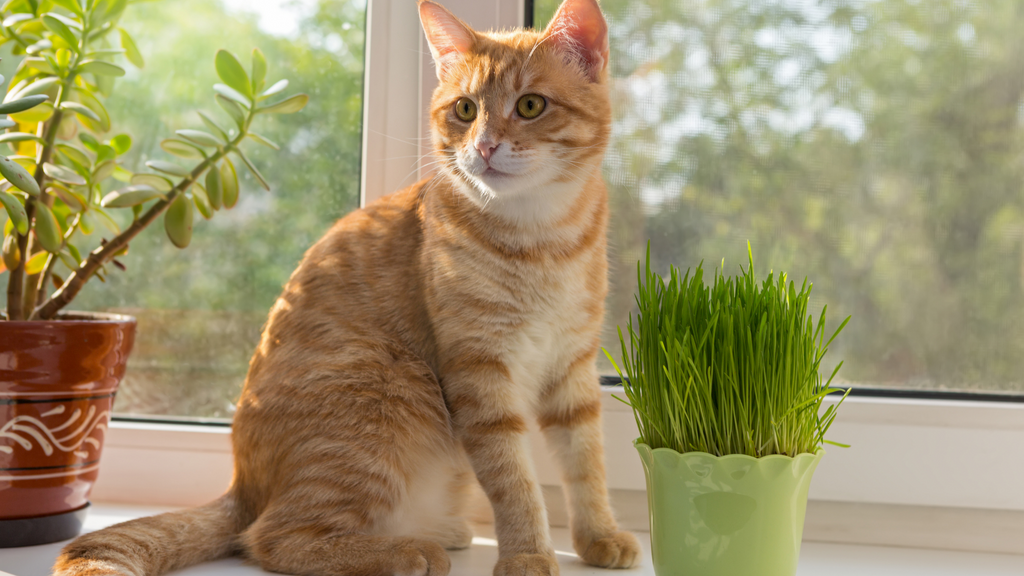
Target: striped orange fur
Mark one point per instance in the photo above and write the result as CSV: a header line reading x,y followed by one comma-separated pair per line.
x,y
418,337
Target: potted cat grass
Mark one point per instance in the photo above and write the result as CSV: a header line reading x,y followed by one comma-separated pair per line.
x,y
725,386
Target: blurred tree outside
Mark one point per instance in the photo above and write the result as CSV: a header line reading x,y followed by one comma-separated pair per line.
x,y
874,146
200,310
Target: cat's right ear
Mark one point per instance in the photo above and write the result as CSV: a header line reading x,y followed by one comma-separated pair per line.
x,y
448,37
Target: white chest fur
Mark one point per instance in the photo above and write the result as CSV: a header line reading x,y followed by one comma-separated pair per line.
x,y
522,292
553,331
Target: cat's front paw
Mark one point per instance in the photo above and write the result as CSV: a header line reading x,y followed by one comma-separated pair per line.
x,y
417,557
527,565
617,550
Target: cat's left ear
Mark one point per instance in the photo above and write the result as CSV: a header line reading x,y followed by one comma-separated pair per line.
x,y
448,37
579,30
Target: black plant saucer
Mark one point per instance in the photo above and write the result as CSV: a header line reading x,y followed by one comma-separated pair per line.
x,y
43,529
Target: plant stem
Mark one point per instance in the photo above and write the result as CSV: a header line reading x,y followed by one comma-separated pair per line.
x,y
17,38
18,299
50,137
22,292
17,277
100,256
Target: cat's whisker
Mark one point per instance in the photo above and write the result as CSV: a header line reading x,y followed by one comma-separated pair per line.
x,y
580,181
425,166
416,156
579,167
532,50
579,176
560,148
403,140
444,162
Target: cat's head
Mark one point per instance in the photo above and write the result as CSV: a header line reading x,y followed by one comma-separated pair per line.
x,y
523,112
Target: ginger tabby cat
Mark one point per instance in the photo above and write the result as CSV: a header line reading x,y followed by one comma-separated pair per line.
x,y
420,333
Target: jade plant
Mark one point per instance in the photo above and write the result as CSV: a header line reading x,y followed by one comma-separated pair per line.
x,y
727,368
65,178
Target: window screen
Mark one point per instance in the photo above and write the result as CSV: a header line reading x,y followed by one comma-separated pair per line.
x,y
874,146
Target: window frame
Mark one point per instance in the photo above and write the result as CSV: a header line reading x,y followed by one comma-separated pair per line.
x,y
916,455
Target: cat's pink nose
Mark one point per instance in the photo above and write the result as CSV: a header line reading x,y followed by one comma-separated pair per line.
x,y
487,149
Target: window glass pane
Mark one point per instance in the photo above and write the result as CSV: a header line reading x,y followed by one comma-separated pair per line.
x,y
873,145
200,310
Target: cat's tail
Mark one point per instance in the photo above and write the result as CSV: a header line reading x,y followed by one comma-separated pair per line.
x,y
154,545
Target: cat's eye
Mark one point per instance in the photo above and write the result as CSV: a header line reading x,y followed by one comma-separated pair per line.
x,y
530,106
465,109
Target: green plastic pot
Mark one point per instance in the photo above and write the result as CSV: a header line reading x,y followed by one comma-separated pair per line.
x,y
732,515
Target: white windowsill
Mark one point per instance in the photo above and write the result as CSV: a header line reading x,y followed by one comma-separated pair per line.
x,y
816,559
921,474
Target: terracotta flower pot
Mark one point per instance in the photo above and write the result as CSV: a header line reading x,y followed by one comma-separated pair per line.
x,y
57,386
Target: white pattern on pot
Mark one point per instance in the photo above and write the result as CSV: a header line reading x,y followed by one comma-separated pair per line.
x,y
46,437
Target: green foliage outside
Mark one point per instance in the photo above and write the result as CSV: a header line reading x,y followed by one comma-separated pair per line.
x,y
58,191
200,309
873,146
